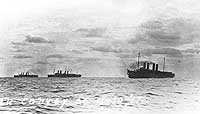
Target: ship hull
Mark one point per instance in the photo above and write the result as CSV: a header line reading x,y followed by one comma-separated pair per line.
x,y
29,76
149,74
64,75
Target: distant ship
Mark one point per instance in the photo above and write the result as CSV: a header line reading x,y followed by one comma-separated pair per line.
x,y
146,72
65,74
25,74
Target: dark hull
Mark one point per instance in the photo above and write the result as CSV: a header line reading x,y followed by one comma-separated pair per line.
x,y
144,73
29,76
64,75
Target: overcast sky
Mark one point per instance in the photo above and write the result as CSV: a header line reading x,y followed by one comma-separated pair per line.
x,y
98,37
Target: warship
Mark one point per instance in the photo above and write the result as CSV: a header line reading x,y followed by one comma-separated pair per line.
x,y
146,72
25,74
65,74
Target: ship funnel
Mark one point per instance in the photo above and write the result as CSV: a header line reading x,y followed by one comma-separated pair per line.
x,y
156,67
147,65
153,68
144,66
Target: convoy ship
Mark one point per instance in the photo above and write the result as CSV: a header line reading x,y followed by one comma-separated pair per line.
x,y
25,74
66,74
146,72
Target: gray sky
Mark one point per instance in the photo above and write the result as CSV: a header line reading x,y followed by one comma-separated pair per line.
x,y
98,37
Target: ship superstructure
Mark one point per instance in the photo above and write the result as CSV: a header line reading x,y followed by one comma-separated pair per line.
x,y
25,74
65,74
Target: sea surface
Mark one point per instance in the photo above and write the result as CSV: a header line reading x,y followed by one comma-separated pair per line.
x,y
99,96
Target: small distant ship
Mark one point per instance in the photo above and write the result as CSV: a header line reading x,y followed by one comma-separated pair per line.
x,y
25,74
146,72
65,74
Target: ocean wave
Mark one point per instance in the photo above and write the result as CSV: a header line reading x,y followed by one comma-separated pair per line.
x,y
85,95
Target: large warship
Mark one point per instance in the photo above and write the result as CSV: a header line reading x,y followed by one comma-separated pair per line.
x,y
25,74
65,74
146,72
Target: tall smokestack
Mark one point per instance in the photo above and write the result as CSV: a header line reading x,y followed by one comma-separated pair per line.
x,y
147,65
156,67
144,66
153,67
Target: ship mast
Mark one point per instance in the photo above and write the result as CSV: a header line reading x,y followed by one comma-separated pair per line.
x,y
54,70
164,65
139,60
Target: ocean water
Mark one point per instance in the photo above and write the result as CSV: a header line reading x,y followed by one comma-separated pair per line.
x,y
98,96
